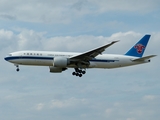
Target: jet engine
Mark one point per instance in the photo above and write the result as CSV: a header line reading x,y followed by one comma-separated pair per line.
x,y
56,69
61,62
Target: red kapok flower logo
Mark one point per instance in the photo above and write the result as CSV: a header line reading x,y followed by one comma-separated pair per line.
x,y
139,48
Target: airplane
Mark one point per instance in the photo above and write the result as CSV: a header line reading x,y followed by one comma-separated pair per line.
x,y
61,61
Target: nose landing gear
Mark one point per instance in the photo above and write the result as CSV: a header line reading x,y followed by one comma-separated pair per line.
x,y
17,68
78,72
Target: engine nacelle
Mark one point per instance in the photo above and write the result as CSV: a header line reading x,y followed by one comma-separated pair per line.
x,y
56,69
61,62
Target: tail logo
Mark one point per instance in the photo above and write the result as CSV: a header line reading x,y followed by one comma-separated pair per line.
x,y
139,48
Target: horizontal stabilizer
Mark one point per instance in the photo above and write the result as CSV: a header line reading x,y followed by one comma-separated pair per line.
x,y
144,58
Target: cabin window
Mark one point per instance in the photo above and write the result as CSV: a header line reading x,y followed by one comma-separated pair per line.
x,y
37,54
27,53
30,53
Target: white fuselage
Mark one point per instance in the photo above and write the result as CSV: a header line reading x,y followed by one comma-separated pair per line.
x,y
46,58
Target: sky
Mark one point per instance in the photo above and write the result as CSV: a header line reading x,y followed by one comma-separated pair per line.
x,y
131,93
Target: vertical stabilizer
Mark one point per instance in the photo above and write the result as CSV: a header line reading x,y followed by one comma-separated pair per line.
x,y
138,49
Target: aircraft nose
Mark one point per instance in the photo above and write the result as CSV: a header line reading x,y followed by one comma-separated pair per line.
x,y
6,58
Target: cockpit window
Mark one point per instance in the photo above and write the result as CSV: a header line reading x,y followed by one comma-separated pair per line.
x,y
10,54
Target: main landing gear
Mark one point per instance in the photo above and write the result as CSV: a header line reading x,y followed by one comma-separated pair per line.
x,y
78,72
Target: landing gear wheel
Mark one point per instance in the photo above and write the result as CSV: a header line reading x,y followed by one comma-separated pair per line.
x,y
17,69
83,72
77,74
73,73
80,75
80,71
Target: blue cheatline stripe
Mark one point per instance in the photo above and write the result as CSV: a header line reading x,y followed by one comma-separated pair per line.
x,y
50,58
100,60
26,57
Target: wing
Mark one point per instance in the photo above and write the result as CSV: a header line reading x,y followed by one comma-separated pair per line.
x,y
86,56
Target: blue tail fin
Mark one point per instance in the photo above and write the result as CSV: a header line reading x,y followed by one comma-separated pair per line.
x,y
138,49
